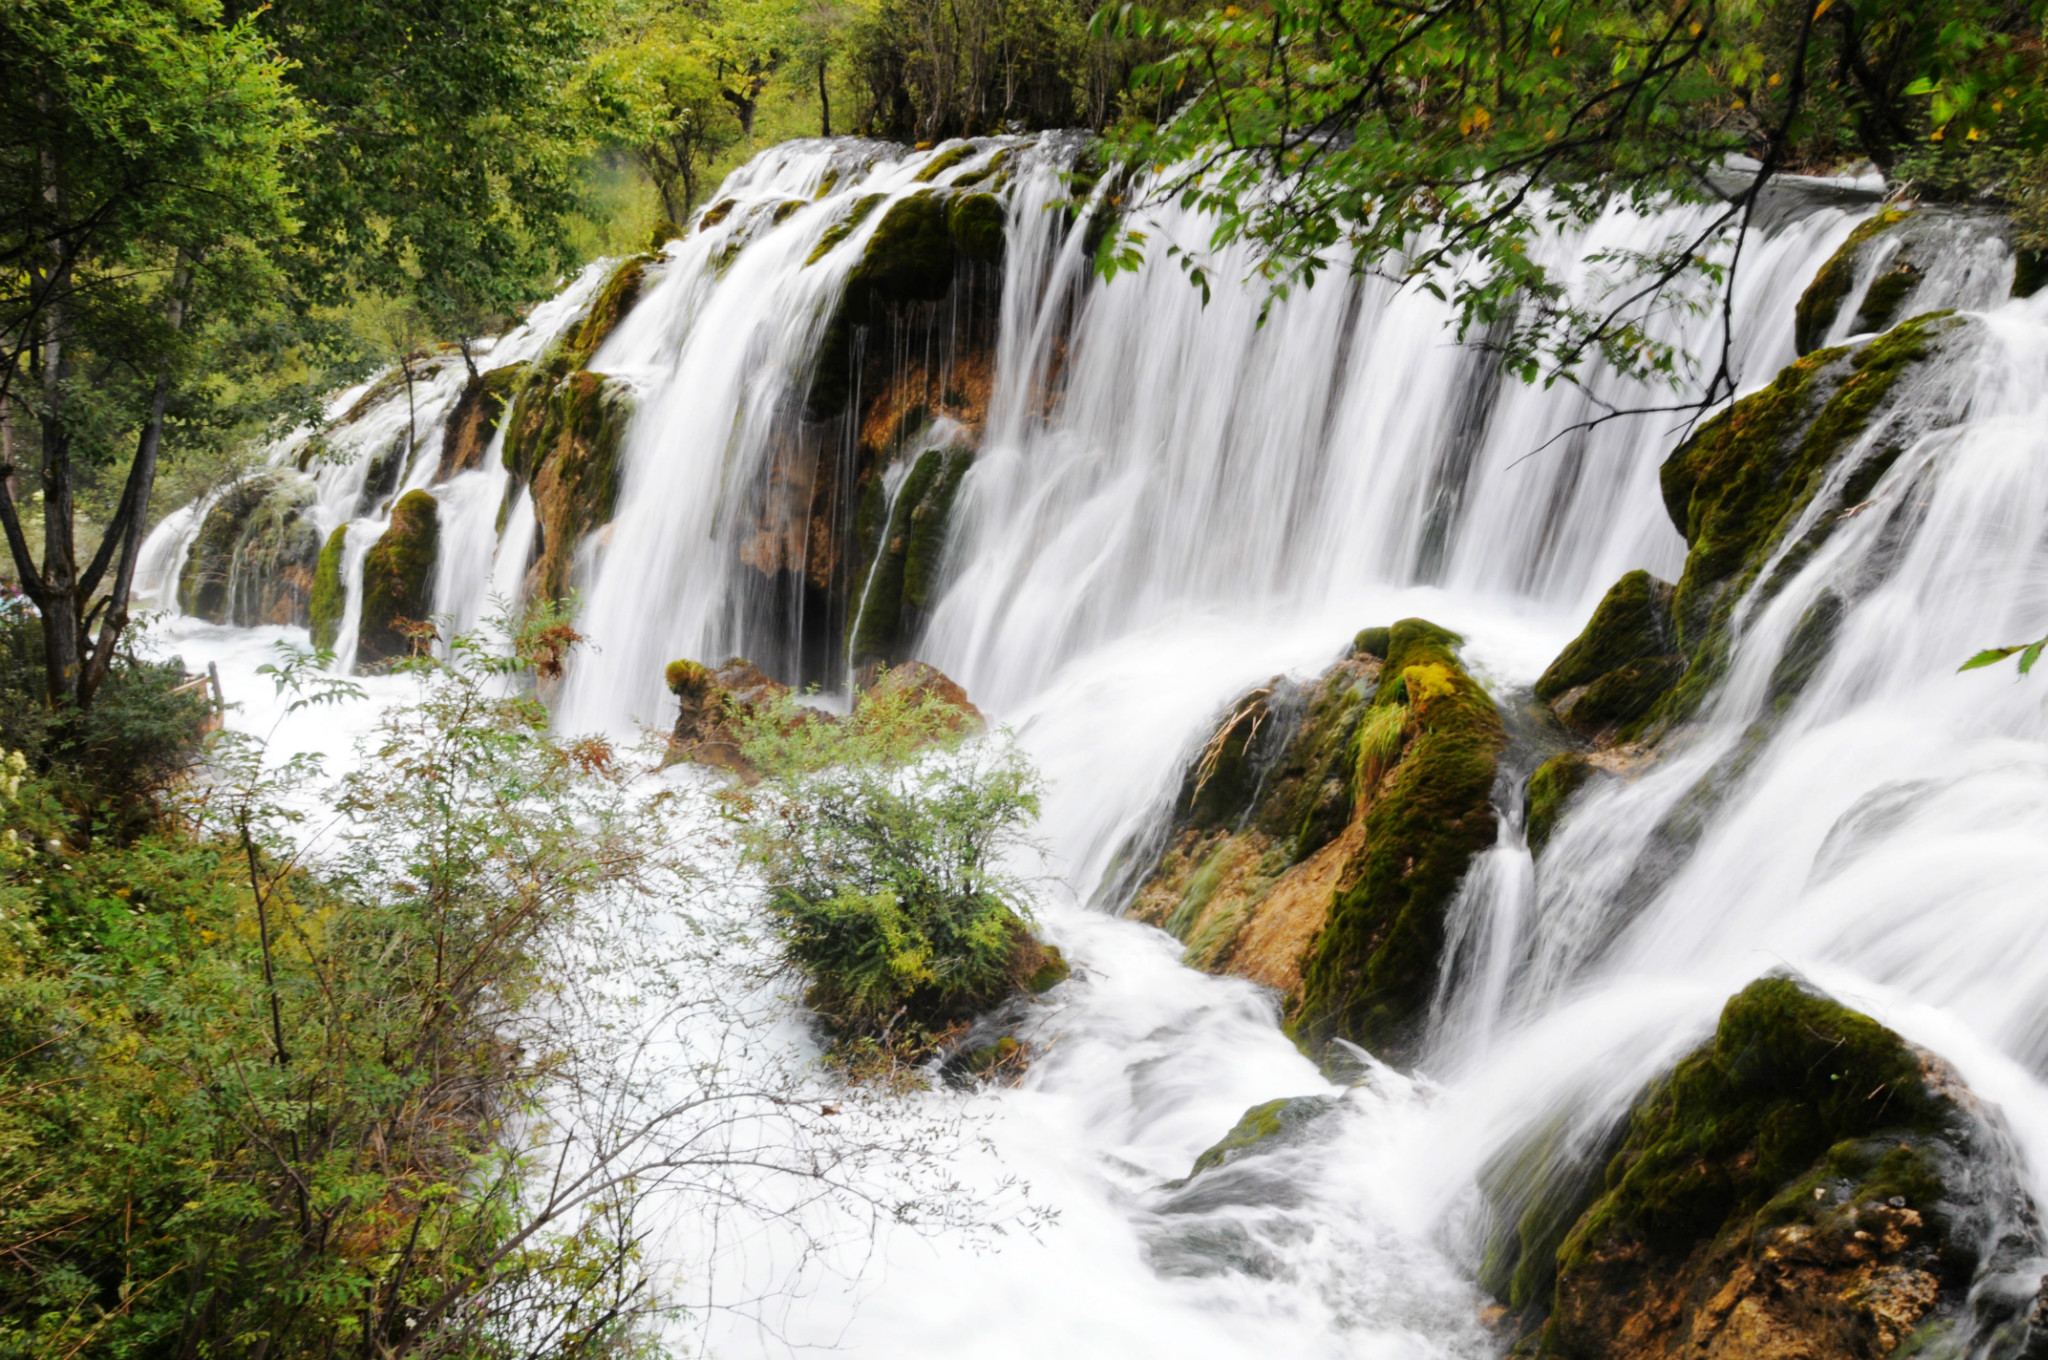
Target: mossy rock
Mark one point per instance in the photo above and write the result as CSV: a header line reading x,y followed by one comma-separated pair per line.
x,y
944,161
844,227
608,307
1550,788
384,473
1805,1177
988,172
664,232
573,465
1262,1128
254,557
1822,301
901,548
1369,975
979,226
469,427
1614,672
1746,477
398,579
1049,974
717,213
330,596
1373,642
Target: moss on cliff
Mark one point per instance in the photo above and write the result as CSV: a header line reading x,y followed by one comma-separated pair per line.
x,y
978,224
843,228
475,417
902,546
569,458
944,161
330,599
1614,672
1369,974
398,579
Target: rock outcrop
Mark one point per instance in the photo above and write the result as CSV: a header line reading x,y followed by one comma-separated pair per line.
x,y
330,593
475,418
1322,830
398,580
1805,1186
253,560
1882,268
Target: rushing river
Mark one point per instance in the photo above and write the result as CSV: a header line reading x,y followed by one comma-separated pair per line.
x,y
1213,502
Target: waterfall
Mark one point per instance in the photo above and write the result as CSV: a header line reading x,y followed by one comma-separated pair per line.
x,y
1171,502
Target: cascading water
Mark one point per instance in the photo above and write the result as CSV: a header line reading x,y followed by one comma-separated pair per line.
x,y
1208,502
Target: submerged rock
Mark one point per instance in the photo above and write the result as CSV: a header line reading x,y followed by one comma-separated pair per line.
x,y
398,580
1805,1186
254,558
1322,830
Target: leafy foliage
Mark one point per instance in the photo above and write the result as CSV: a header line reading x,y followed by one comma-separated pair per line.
x,y
882,840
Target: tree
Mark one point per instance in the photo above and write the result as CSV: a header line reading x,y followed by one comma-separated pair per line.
x,y
663,96
141,179
1437,143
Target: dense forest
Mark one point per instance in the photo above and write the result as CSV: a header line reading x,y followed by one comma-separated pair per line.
x,y
266,1103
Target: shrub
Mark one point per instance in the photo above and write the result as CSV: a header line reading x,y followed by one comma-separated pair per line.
x,y
882,839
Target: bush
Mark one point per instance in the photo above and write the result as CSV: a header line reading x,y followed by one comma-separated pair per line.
x,y
882,838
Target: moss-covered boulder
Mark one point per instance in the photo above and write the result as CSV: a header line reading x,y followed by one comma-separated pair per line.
x,y
475,417
1321,829
844,226
253,559
900,542
1429,809
1614,672
1736,488
398,579
1806,1184
330,592
1550,788
979,225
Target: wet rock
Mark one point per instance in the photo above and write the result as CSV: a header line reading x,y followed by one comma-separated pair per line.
x,y
922,684
1806,1184
1614,672
715,705
254,557
398,580
475,417
564,448
1550,789
1262,1128
1321,831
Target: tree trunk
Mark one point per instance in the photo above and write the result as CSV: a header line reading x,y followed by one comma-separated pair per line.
x,y
824,103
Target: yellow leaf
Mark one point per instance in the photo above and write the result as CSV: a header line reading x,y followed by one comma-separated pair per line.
x,y
1822,8
1775,78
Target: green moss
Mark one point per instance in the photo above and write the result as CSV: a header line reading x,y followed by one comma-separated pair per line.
x,y
1788,1075
828,182
1372,642
944,161
2029,272
1550,788
1739,484
877,631
398,579
717,213
469,427
570,461
986,173
1003,1053
1262,1125
788,209
924,546
1625,658
843,228
1050,973
1821,303
909,258
664,232
978,223
330,600
1369,974
1882,300
614,298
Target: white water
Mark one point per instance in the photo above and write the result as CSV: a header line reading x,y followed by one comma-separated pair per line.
x,y
1213,502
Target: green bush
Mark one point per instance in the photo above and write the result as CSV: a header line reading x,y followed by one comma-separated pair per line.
x,y
882,840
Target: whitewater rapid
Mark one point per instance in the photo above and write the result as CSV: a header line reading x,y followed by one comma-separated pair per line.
x,y
1213,502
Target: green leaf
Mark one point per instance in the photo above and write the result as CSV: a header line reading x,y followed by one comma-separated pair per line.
x,y
1988,658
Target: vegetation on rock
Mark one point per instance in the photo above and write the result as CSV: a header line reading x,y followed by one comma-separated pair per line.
x,y
882,839
1550,788
398,580
1803,1184
475,418
1369,975
1616,669
330,593
900,558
